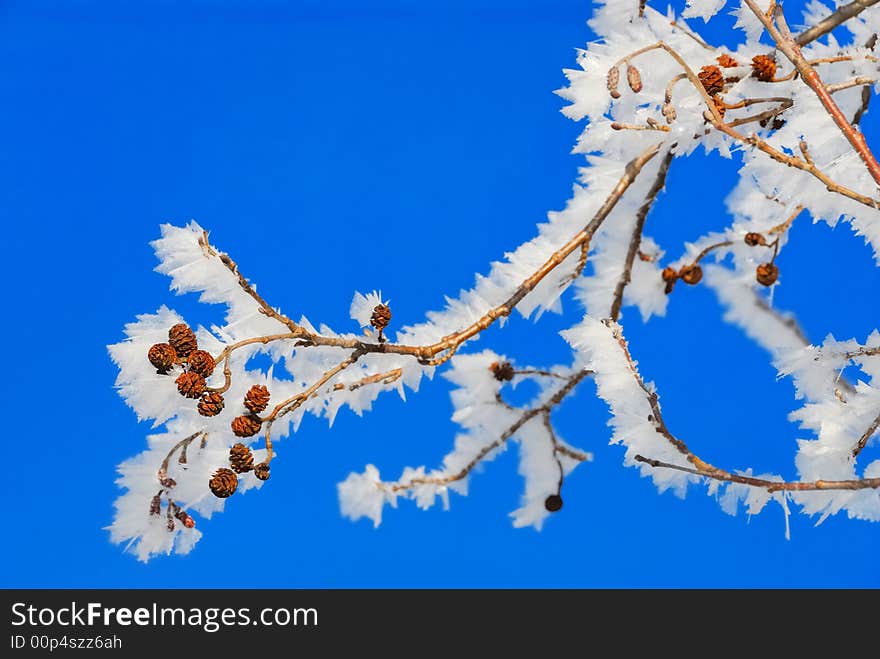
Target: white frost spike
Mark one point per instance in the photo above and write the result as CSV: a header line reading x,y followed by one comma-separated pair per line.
x,y
361,495
704,9
362,306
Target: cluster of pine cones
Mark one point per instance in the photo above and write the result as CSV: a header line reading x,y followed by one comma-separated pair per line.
x,y
183,349
224,482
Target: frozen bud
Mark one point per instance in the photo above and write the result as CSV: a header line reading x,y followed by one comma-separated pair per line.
x,y
753,239
185,519
156,504
633,78
613,81
668,112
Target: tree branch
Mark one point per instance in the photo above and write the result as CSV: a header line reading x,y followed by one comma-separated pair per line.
x,y
827,24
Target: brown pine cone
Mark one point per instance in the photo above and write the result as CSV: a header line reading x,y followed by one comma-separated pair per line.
x,y
223,483
727,61
712,79
767,274
670,276
182,339
261,471
691,274
191,385
211,404
257,398
162,356
502,371
763,68
240,458
201,362
553,503
246,426
381,317
753,239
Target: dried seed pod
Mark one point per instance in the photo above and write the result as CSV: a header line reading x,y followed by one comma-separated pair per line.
x,y
201,362
668,111
633,78
502,371
257,398
712,79
753,239
670,276
156,504
763,68
691,273
223,483
261,471
211,404
613,81
182,339
162,356
191,385
553,503
240,458
726,61
767,274
246,426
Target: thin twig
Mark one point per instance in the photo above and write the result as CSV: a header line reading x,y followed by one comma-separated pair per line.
x,y
636,240
863,440
828,23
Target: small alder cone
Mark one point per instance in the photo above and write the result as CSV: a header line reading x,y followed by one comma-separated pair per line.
x,y
246,426
763,68
201,362
162,356
241,459
211,404
261,471
381,317
553,503
767,274
670,276
726,61
502,371
691,274
257,398
753,239
182,339
633,78
223,483
712,79
191,385
612,82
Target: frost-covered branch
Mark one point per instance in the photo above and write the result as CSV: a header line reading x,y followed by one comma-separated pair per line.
x,y
648,84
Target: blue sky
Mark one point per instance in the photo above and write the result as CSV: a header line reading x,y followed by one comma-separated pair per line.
x,y
332,146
